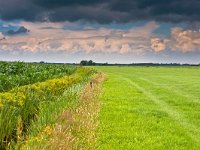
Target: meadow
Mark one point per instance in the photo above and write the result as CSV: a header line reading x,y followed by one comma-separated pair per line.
x,y
150,108
71,107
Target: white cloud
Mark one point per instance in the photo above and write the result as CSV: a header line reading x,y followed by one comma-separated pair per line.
x,y
185,40
158,44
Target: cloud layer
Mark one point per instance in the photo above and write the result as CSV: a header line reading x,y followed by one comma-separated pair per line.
x,y
58,37
101,11
53,37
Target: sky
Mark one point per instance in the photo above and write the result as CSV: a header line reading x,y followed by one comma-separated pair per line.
x,y
113,31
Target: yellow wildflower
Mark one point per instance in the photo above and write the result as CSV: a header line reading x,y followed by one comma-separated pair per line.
x,y
37,139
48,130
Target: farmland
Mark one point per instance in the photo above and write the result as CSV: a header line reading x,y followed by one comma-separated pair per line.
x,y
150,108
14,74
54,106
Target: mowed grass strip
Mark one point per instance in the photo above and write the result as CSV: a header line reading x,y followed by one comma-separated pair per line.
x,y
150,108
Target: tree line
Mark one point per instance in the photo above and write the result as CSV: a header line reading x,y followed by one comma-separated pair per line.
x,y
92,63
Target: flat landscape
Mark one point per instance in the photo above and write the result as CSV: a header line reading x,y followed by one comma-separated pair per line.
x,y
150,108
99,75
57,106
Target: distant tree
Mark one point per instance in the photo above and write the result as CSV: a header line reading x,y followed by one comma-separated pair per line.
x,y
83,62
87,63
91,63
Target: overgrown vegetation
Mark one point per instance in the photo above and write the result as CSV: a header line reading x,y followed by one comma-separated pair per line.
x,y
14,74
20,107
73,127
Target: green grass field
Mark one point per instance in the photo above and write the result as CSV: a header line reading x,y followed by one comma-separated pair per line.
x,y
113,108
150,108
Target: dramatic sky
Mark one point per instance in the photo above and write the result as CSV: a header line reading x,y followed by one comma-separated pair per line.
x,y
115,31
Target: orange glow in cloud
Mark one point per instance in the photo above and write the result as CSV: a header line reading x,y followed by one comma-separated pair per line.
x,y
53,37
185,40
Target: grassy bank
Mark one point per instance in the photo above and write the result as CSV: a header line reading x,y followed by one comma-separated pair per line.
x,y
69,123
20,107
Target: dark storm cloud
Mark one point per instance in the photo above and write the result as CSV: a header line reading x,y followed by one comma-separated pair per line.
x,y
20,30
18,9
102,11
60,3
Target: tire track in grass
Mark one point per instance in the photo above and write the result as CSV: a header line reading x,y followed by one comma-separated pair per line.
x,y
194,85
192,131
178,92
184,103
175,91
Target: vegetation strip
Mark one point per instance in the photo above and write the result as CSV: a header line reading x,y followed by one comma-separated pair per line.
x,y
75,128
20,106
47,119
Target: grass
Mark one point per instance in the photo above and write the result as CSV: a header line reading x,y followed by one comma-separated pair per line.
x,y
150,108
